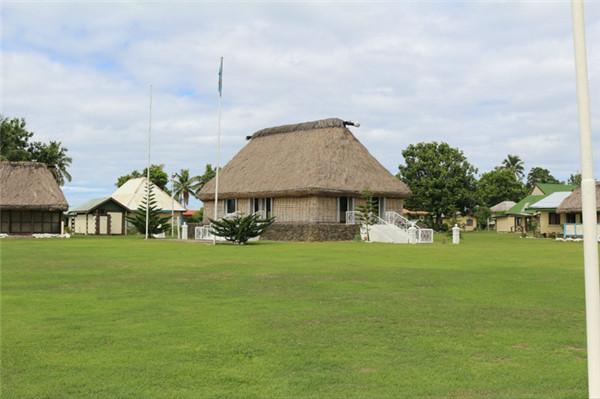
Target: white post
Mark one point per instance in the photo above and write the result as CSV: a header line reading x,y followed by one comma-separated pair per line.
x,y
148,173
456,234
172,204
218,143
588,204
184,231
412,234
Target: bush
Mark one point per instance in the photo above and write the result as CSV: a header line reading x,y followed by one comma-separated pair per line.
x,y
240,229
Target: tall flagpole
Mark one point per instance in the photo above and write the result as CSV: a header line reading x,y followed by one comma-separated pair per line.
x,y
218,144
148,171
588,204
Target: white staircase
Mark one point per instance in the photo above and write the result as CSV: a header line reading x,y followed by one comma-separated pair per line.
x,y
395,229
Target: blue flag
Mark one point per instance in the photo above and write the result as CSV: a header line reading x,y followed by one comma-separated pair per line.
x,y
221,78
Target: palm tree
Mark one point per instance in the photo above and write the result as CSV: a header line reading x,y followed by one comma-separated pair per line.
x,y
514,164
55,157
184,186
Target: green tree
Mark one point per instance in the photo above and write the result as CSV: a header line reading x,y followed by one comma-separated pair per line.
x,y
440,178
367,212
156,224
209,173
14,140
196,217
241,228
55,157
575,179
514,164
157,176
540,175
184,186
499,185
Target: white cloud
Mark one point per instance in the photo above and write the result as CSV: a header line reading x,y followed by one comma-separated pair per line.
x,y
489,78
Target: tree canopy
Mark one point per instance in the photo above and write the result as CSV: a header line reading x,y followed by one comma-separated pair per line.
x,y
184,186
158,176
440,177
15,146
575,179
514,164
499,185
540,175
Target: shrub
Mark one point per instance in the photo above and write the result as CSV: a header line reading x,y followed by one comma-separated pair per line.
x,y
240,229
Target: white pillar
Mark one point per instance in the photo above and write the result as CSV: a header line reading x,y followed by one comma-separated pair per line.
x,y
184,231
412,234
456,234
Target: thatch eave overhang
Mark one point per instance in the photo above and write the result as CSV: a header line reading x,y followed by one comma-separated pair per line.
x,y
310,192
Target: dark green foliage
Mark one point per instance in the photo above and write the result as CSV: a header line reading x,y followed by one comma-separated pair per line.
x,y
514,164
499,185
157,176
440,178
367,213
55,157
241,228
196,217
209,173
156,224
540,175
575,179
15,146
14,140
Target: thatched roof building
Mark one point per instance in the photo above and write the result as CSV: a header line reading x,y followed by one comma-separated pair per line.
x,y
29,186
312,158
312,172
30,199
572,204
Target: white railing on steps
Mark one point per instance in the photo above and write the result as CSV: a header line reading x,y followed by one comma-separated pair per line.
x,y
423,236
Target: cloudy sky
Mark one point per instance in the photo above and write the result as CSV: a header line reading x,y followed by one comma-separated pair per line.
x,y
489,77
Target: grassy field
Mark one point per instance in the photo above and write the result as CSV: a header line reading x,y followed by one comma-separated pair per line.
x,y
495,317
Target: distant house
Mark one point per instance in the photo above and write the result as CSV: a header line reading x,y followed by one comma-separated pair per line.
x,y
107,216
133,192
101,216
466,222
308,173
570,210
499,222
31,201
530,213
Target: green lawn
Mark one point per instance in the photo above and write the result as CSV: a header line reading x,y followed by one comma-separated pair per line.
x,y
495,317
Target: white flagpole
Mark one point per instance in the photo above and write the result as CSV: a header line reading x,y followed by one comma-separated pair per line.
x,y
588,204
218,144
148,171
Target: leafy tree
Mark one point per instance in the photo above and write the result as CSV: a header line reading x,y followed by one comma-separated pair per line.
x,y
196,217
157,176
575,179
241,228
514,164
156,224
483,214
440,178
14,140
209,173
499,185
184,186
540,175
55,157
367,213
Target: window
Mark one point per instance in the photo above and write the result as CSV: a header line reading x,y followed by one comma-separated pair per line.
x,y
229,206
260,204
469,222
345,204
4,221
571,218
20,222
553,218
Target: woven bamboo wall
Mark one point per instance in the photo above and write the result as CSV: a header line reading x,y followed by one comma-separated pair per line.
x,y
394,204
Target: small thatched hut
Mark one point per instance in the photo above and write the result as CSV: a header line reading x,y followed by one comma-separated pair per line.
x,y
572,204
30,199
309,173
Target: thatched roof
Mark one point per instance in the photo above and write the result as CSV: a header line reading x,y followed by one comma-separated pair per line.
x,y
312,158
29,186
503,206
572,204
